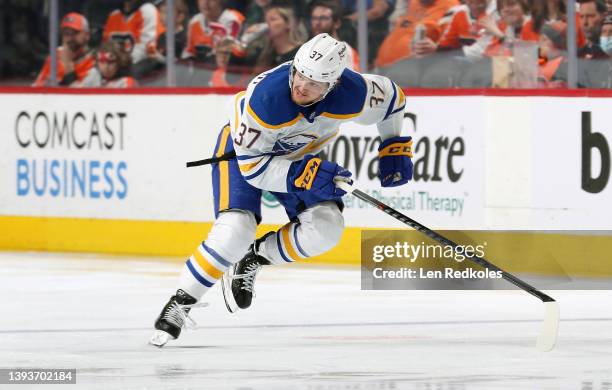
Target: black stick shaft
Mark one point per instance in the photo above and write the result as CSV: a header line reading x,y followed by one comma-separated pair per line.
x,y
441,239
227,156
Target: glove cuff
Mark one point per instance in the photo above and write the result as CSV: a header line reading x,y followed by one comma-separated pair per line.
x,y
306,178
396,146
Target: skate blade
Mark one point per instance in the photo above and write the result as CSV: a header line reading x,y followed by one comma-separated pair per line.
x,y
228,297
160,338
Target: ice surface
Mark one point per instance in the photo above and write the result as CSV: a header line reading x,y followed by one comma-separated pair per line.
x,y
309,328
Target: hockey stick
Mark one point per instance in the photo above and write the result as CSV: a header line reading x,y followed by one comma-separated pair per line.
x,y
224,157
548,336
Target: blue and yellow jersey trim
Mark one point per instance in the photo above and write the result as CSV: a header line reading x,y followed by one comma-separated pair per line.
x,y
238,103
253,166
288,244
269,125
397,100
402,97
347,100
270,104
340,116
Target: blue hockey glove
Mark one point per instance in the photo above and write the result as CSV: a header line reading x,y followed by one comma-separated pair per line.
x,y
395,163
314,174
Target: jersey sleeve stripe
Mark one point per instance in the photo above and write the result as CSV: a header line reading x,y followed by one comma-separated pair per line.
x,y
402,96
392,104
340,116
246,167
398,110
247,157
269,126
260,170
238,96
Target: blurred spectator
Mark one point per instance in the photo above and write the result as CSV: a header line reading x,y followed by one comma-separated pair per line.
x,y
23,40
181,14
239,5
285,36
253,36
399,44
206,29
491,58
112,68
378,12
223,53
605,41
552,71
325,17
514,16
463,25
592,14
74,60
465,29
135,26
549,11
255,12
97,12
598,73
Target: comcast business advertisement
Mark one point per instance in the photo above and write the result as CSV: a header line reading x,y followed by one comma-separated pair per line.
x,y
108,156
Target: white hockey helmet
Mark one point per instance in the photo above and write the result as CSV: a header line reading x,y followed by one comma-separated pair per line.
x,y
321,59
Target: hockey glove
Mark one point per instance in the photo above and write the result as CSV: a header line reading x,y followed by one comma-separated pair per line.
x,y
314,174
395,163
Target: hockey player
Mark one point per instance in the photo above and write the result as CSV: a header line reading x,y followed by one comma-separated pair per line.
x,y
276,128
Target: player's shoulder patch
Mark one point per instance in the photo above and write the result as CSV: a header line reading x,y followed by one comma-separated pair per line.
x,y
348,98
270,102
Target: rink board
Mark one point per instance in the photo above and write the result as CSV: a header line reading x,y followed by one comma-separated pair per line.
x,y
105,172
559,254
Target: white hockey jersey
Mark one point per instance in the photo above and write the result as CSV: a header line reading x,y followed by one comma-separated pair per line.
x,y
270,131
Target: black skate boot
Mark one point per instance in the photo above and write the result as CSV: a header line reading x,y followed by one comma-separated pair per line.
x,y
239,281
172,318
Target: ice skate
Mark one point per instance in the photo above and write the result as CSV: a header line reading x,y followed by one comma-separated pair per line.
x,y
239,281
173,317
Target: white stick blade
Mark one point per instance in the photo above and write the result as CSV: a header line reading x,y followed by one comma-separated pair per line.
x,y
550,327
341,182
